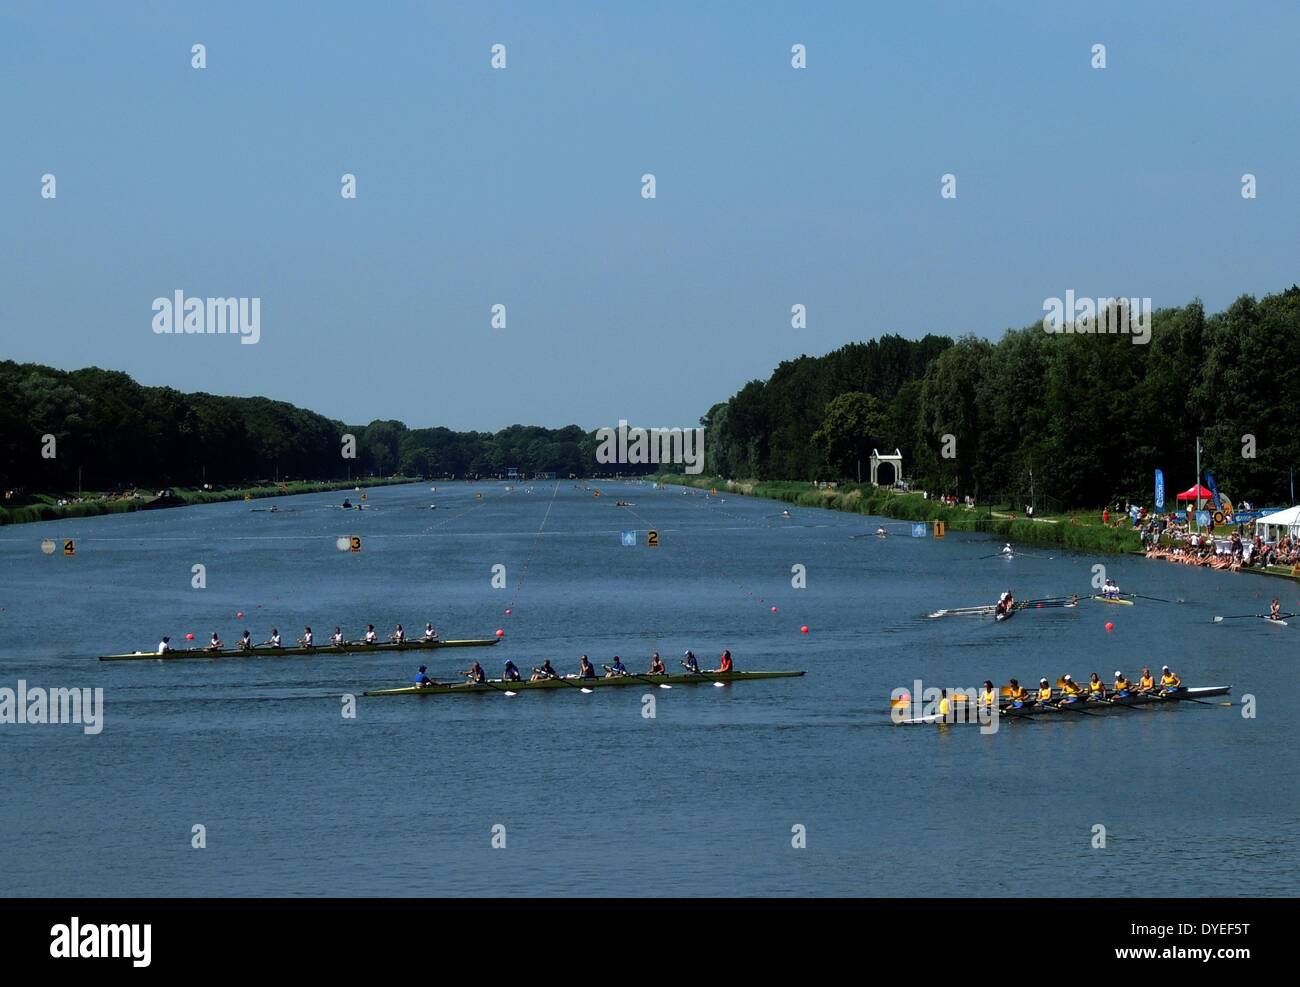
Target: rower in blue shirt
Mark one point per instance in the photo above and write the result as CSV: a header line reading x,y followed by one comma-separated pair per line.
x,y
421,679
511,673
689,663
616,668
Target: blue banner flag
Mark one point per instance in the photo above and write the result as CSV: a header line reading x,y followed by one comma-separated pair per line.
x,y
1209,482
1160,490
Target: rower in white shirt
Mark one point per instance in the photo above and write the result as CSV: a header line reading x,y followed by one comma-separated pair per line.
x,y
274,640
429,633
306,638
1006,549
371,636
165,646
246,642
336,638
215,643
398,636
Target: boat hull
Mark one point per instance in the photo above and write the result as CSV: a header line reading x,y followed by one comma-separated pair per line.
x,y
1119,603
1078,710
496,685
355,648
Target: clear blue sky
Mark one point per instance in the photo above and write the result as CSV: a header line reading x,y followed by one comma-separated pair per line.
x,y
521,186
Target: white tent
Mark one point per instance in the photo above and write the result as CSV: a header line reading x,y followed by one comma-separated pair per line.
x,y
1271,527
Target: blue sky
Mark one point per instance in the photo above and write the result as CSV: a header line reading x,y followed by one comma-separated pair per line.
x,y
522,187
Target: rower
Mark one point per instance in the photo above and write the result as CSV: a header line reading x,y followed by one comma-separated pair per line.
x,y
988,696
616,668
689,663
306,639
347,504
1096,687
1072,691
165,646
1006,549
274,640
881,533
215,643
1044,691
398,636
510,673
724,664
429,633
1275,610
476,673
371,636
585,669
545,672
1146,682
657,666
246,642
1121,686
336,638
945,706
1017,693
1168,680
421,679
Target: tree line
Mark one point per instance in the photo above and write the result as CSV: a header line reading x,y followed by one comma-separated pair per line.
x,y
120,434
1092,416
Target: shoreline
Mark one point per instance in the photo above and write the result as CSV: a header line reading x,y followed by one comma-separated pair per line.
x,y
182,497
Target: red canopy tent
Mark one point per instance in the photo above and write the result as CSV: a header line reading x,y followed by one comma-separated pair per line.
x,y
1194,492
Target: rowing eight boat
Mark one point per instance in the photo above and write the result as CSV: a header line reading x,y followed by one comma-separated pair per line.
x,y
348,648
1088,707
497,685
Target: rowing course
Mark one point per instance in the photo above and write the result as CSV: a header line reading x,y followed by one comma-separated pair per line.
x,y
235,744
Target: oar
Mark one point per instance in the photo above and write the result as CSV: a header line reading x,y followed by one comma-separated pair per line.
x,y
700,672
1139,596
1186,699
489,682
560,678
633,675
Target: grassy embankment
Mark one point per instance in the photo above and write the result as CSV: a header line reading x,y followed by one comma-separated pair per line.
x,y
1082,531
44,507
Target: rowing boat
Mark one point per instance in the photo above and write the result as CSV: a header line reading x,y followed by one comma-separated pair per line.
x,y
497,685
1113,599
1088,706
1007,614
348,648
1276,620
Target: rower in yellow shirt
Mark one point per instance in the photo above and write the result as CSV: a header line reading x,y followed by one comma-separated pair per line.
x,y
1168,680
1121,686
1096,687
1071,691
988,696
1044,691
1146,682
1017,693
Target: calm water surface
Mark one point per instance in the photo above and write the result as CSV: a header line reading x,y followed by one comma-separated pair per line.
x,y
596,798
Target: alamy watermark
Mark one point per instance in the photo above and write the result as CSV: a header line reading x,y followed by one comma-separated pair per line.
x,y
1099,315
208,316
36,705
636,446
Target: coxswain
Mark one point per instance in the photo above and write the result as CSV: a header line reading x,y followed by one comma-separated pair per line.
x,y
1017,693
1044,691
545,672
246,642
1275,610
1121,686
422,679
657,665
616,668
165,646
476,673
307,638
724,664
1146,682
1072,692
1096,687
398,636
274,640
510,673
336,638
690,663
585,669
1168,680
215,643
371,636
429,633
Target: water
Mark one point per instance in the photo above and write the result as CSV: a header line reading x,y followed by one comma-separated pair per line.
x,y
596,798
